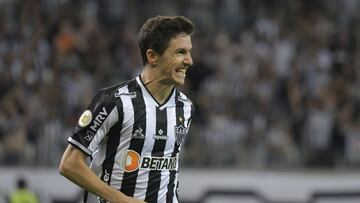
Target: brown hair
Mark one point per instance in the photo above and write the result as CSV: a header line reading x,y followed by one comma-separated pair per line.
x,y
157,32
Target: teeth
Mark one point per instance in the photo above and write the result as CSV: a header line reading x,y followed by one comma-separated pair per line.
x,y
182,71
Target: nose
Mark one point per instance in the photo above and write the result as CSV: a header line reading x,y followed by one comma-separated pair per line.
x,y
188,60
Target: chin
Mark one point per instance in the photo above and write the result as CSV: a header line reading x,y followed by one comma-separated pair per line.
x,y
179,82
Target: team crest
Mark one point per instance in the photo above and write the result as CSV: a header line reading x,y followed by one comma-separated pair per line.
x,y
85,118
180,132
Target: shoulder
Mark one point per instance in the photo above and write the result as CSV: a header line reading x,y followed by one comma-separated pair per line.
x,y
181,97
108,95
112,90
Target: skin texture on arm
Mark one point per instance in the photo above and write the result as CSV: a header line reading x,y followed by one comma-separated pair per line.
x,y
74,168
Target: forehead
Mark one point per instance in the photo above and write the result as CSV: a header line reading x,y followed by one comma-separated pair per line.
x,y
180,41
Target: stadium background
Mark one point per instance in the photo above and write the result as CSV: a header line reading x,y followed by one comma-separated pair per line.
x,y
275,83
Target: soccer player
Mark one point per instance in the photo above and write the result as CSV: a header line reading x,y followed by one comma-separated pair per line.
x,y
133,131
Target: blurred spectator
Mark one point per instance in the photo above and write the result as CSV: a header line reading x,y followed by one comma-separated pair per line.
x,y
276,83
23,194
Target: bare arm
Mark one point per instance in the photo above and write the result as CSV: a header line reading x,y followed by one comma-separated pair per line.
x,y
74,168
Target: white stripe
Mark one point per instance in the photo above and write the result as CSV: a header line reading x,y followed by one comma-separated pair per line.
x,y
150,128
92,198
171,123
143,174
71,140
126,132
104,129
98,158
187,114
141,183
165,177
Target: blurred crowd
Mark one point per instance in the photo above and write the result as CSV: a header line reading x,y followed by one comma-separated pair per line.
x,y
276,83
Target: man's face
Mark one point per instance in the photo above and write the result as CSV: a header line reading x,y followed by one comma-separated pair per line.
x,y
176,59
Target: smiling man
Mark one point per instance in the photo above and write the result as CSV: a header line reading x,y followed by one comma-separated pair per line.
x,y
133,131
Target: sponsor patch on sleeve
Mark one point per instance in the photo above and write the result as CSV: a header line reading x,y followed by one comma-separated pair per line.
x,y
85,118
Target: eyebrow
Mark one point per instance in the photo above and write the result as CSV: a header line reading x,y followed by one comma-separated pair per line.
x,y
182,49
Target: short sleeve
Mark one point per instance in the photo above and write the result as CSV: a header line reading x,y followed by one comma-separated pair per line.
x,y
94,123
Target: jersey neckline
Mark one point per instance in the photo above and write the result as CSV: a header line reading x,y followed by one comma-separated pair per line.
x,y
148,94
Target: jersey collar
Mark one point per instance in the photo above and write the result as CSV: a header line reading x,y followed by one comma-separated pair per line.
x,y
149,97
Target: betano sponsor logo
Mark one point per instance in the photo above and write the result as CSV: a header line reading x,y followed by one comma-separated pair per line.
x,y
131,161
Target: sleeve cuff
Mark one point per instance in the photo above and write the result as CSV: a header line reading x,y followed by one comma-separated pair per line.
x,y
80,146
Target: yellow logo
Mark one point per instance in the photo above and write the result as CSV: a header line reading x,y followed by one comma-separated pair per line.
x,y
85,118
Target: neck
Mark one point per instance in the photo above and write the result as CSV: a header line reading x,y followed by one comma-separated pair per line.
x,y
156,85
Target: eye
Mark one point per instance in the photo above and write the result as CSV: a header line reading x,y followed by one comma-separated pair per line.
x,y
181,52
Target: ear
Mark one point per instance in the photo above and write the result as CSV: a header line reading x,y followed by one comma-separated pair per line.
x,y
152,57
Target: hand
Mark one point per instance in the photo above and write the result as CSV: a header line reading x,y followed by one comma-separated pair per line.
x,y
121,198
133,200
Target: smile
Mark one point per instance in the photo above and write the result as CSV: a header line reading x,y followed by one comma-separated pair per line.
x,y
181,72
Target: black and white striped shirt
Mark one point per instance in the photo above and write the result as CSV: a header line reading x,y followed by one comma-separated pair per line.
x,y
134,142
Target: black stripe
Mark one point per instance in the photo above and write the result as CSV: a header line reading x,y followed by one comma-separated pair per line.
x,y
179,121
158,151
129,178
112,143
85,196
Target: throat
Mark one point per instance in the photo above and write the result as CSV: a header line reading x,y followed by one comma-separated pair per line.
x,y
160,92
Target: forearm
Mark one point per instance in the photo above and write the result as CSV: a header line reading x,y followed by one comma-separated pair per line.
x,y
77,171
90,182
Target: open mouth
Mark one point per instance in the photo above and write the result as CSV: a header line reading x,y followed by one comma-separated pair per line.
x,y
181,72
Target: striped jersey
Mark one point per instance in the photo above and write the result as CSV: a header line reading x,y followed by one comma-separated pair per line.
x,y
134,142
